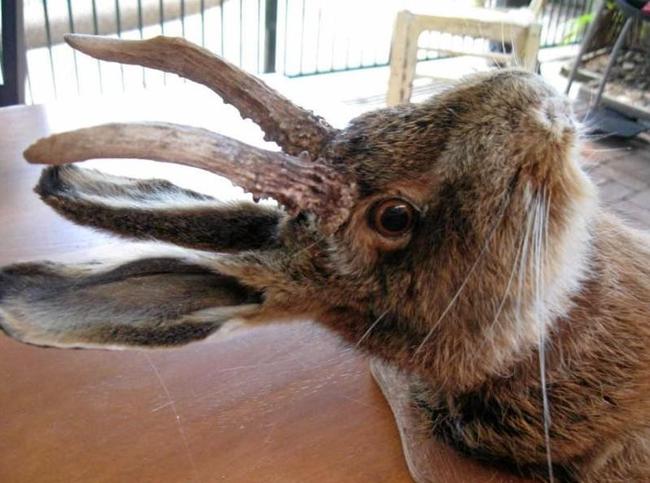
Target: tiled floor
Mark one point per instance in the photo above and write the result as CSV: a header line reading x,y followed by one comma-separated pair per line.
x,y
622,172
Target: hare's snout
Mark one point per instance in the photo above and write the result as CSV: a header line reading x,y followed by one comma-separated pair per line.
x,y
556,116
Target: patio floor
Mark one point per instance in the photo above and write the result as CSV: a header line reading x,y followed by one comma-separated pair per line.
x,y
622,172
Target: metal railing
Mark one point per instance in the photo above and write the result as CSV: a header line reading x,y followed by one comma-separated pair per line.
x,y
292,37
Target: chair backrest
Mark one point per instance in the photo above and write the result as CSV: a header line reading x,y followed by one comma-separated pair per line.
x,y
12,53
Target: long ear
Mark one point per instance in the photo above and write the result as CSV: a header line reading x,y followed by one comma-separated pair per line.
x,y
149,302
157,209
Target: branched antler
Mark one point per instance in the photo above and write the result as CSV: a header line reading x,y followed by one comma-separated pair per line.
x,y
294,129
296,183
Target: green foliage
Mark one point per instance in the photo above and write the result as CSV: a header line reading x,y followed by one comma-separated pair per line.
x,y
578,26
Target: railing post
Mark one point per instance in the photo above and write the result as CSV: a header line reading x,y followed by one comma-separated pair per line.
x,y
270,34
12,91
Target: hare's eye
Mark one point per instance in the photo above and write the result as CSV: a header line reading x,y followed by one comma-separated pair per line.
x,y
393,217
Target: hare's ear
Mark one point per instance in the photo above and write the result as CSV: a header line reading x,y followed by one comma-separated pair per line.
x,y
157,209
151,302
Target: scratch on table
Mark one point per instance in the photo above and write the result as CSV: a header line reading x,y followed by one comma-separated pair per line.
x,y
162,406
179,423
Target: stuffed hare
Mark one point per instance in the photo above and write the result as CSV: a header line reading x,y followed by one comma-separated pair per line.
x,y
458,242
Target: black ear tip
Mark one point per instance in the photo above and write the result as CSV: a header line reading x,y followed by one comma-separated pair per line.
x,y
52,181
4,283
7,282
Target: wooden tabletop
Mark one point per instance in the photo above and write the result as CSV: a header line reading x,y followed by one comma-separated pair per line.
x,y
280,403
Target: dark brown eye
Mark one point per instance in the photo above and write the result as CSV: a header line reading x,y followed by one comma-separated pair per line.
x,y
393,217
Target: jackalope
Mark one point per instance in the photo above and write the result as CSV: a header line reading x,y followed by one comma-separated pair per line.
x,y
458,242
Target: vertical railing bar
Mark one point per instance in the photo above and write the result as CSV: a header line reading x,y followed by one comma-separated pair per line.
x,y
320,12
545,24
140,20
13,56
222,24
581,10
302,37
374,57
161,9
565,18
241,33
183,18
141,30
118,26
587,9
161,16
575,14
270,34
333,50
96,32
74,52
258,50
286,32
553,21
548,9
202,6
48,38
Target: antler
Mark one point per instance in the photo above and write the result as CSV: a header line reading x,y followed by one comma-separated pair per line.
x,y
296,183
294,129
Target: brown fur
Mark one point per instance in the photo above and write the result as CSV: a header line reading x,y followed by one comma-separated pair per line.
x,y
488,165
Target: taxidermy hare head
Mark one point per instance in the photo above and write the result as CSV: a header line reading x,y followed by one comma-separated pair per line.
x,y
457,240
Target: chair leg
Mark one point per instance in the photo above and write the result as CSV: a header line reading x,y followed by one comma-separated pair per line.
x,y
586,40
403,58
612,59
530,48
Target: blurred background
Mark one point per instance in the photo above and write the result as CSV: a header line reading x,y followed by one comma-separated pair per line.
x,y
339,58
290,37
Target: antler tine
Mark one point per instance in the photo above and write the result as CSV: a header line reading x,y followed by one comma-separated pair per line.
x,y
295,183
293,128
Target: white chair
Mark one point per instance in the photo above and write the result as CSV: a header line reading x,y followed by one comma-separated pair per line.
x,y
519,27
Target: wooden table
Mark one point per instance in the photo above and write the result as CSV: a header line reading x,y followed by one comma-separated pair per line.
x,y
281,403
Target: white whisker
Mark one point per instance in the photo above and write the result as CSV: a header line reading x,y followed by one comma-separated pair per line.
x,y
467,277
539,234
543,238
518,255
372,326
523,261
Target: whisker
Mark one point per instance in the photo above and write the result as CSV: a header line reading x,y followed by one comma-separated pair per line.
x,y
543,239
508,285
467,277
523,261
372,326
539,229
